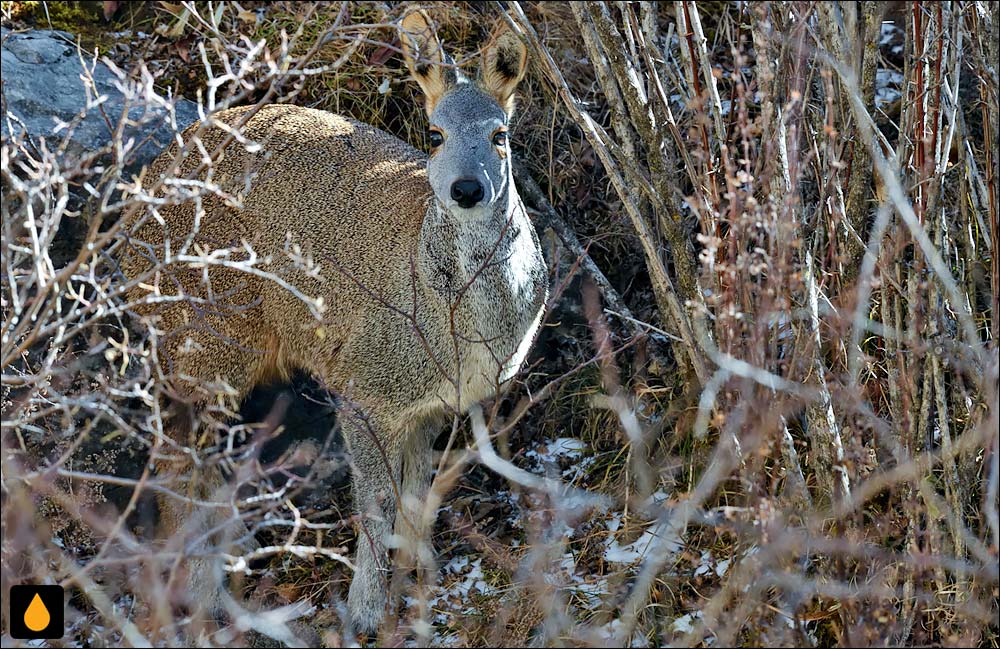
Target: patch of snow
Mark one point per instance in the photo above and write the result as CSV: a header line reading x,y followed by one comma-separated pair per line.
x,y
893,37
685,623
474,580
444,640
550,451
567,449
887,86
590,591
657,498
454,597
575,470
705,566
456,565
709,564
513,499
593,593
660,537
888,30
559,530
611,633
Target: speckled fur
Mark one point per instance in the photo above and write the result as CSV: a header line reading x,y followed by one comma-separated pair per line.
x,y
417,293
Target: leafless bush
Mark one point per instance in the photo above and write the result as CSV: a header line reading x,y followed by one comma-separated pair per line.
x,y
83,383
819,466
841,345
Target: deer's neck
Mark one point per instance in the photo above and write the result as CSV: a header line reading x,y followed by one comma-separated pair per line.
x,y
490,256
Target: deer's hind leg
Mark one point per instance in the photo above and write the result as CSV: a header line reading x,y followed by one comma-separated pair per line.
x,y
199,517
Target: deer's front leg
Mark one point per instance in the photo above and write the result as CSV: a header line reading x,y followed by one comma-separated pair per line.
x,y
376,465
414,521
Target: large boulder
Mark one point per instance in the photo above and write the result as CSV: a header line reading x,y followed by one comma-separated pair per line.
x,y
43,85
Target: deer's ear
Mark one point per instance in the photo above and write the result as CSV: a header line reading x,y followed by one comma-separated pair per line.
x,y
424,57
505,60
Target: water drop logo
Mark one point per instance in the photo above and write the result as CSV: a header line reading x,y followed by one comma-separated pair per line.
x,y
37,617
36,612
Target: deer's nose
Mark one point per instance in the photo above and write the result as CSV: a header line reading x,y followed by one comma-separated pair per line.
x,y
467,192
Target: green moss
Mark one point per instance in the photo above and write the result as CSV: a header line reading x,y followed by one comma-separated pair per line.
x,y
82,19
70,17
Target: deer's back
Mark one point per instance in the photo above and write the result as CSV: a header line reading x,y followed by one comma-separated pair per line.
x,y
321,187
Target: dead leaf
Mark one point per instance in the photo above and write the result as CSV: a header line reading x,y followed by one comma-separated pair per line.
x,y
174,8
245,15
178,28
182,48
381,55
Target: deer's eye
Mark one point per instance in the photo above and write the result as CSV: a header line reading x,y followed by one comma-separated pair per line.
x,y
500,138
435,138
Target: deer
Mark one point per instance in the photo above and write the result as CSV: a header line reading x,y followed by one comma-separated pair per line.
x,y
432,275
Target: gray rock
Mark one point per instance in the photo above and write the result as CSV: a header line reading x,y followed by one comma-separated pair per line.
x,y
42,86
